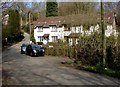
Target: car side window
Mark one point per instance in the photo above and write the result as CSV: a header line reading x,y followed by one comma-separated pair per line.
x,y
29,47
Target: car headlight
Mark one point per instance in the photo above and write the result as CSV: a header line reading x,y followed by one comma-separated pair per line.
x,y
24,50
43,50
34,51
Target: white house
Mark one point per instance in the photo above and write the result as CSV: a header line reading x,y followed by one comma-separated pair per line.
x,y
51,29
111,24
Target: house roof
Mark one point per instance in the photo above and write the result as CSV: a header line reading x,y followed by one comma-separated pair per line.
x,y
74,19
47,21
109,17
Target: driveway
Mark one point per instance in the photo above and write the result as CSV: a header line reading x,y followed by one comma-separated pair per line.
x,y
45,70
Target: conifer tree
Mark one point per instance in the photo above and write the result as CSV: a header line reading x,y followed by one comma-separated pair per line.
x,y
13,27
51,9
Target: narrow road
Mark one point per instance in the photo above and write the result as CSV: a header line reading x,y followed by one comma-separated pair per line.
x,y
13,52
47,70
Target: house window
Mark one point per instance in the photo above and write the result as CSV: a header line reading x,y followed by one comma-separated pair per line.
x,y
77,40
73,29
54,29
40,38
54,38
40,29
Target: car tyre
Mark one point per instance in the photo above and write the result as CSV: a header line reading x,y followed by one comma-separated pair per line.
x,y
43,54
31,54
21,52
26,53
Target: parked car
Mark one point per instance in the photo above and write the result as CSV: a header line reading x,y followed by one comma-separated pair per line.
x,y
35,50
23,48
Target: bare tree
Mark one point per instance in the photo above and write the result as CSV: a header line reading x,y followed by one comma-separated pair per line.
x,y
68,8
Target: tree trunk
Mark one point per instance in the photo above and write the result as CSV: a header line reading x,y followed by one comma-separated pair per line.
x,y
30,23
26,20
21,22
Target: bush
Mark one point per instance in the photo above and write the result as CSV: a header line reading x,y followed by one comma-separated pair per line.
x,y
99,69
90,68
89,51
32,38
40,43
69,62
19,36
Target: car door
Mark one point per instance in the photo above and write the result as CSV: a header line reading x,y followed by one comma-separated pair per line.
x,y
29,49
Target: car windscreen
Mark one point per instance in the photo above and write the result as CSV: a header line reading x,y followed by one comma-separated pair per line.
x,y
35,46
25,45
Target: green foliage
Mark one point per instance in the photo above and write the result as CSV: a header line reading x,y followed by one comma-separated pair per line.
x,y
90,51
12,31
90,68
118,14
40,43
26,28
61,43
113,73
13,22
59,48
51,9
69,62
32,38
99,69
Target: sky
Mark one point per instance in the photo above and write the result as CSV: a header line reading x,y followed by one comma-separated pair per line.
x,y
29,2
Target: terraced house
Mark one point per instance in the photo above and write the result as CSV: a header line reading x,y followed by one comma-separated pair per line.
x,y
50,29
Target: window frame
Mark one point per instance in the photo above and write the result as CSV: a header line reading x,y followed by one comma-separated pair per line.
x,y
40,29
40,38
54,38
54,28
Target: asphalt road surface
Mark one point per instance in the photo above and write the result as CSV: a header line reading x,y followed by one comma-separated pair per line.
x,y
21,69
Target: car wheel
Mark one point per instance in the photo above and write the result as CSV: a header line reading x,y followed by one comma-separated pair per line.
x,y
31,54
43,54
21,52
26,53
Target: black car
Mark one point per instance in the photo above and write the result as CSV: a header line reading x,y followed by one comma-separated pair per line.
x,y
34,50
23,48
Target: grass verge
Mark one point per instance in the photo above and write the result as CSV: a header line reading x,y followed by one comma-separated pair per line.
x,y
95,69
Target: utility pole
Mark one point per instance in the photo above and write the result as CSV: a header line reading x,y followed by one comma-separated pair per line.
x,y
30,23
103,35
